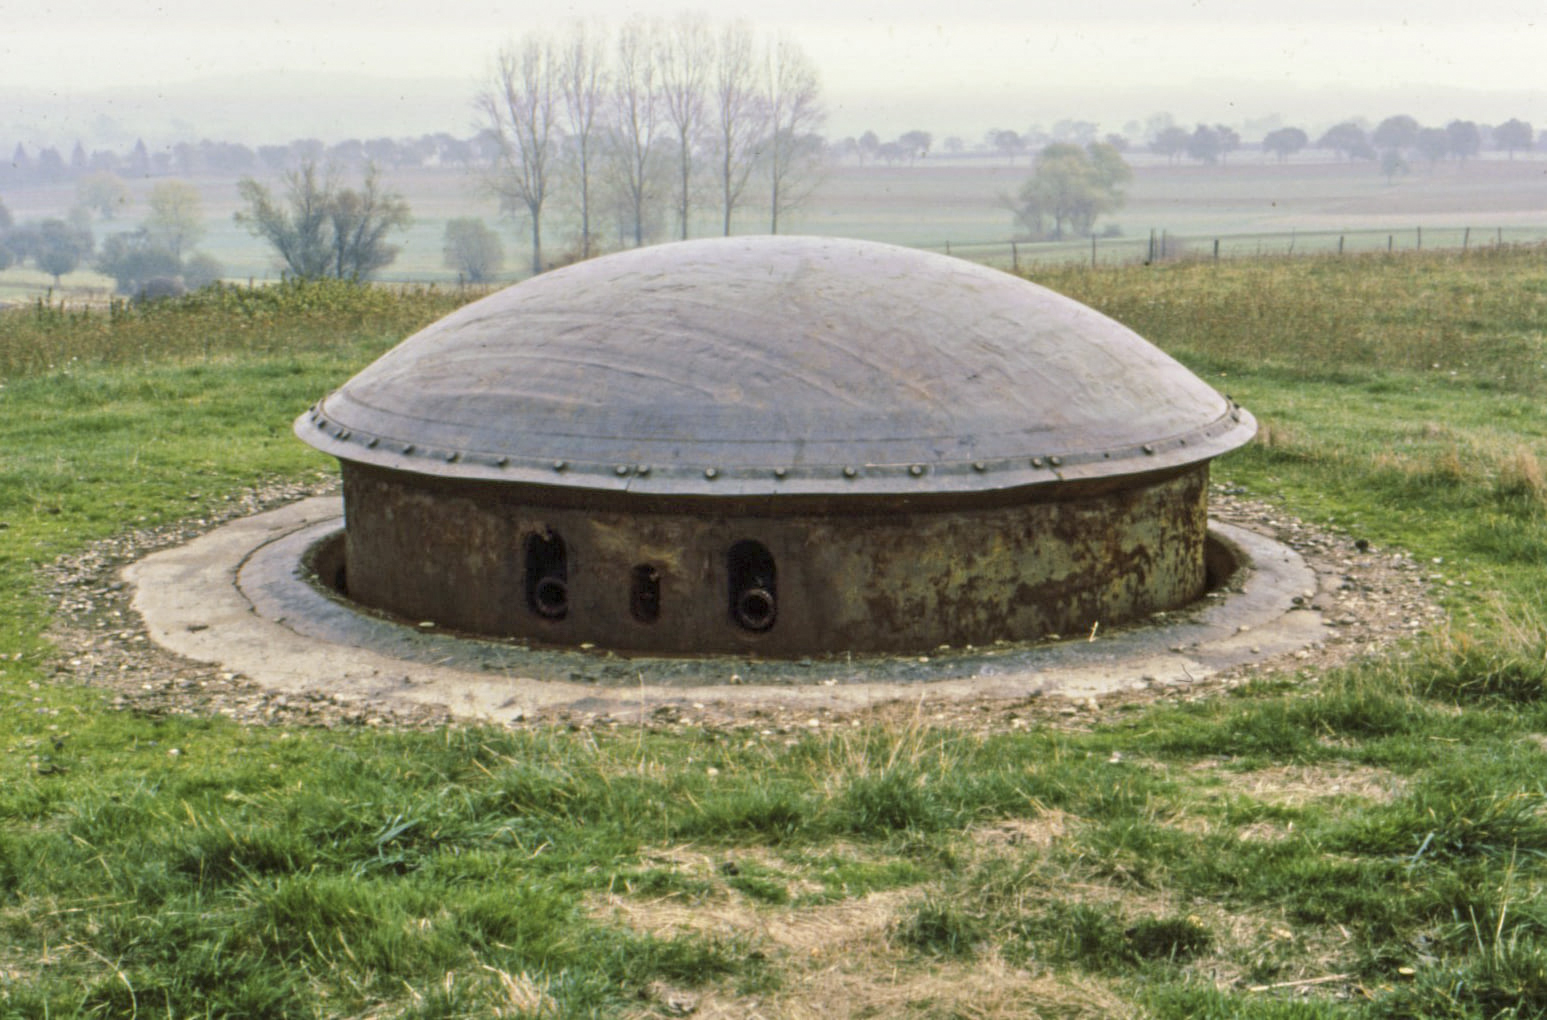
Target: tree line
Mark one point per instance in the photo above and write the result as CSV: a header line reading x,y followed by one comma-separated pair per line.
x,y
207,158
159,256
629,134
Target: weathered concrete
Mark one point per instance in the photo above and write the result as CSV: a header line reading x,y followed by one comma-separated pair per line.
x,y
237,597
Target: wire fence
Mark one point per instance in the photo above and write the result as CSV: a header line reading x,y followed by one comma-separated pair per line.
x,y
1162,245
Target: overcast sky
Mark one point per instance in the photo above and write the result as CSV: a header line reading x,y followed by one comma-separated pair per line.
x,y
218,69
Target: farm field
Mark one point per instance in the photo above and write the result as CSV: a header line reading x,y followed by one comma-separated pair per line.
x,y
1366,840
1253,206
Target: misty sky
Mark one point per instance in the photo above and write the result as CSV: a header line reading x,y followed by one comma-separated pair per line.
x,y
247,71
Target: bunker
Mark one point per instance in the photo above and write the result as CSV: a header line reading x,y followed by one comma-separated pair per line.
x,y
778,446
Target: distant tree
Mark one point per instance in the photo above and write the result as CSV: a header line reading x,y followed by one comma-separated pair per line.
x,y
1117,141
7,256
1512,135
176,219
1080,132
274,158
1171,142
583,86
955,146
361,221
1229,141
23,241
792,93
50,166
319,229
21,164
1009,144
1204,144
915,143
1285,142
1347,139
102,192
1156,123
61,248
202,269
1392,164
686,52
1463,139
78,159
739,118
1398,132
522,110
139,159
869,145
473,250
132,260
1433,143
1070,188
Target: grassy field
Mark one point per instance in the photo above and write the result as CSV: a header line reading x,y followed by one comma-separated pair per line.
x,y
1255,206
1367,842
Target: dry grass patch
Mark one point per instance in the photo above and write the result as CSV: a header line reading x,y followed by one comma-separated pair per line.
x,y
1298,785
1020,834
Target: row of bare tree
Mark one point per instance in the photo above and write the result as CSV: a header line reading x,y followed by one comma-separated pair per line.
x,y
658,117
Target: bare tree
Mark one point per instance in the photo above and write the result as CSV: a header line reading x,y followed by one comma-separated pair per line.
x,y
740,116
583,82
793,95
637,102
686,50
521,110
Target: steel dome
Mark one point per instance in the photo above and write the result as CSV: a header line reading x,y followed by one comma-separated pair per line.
x,y
768,365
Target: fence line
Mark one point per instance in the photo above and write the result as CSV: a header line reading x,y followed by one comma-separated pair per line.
x,y
1163,245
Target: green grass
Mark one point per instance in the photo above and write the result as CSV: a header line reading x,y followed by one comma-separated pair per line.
x,y
1367,842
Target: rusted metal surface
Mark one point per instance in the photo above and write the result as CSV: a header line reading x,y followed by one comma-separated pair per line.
x,y
776,366
483,558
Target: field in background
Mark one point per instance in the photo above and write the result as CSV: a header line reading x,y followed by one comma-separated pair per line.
x,y
1252,206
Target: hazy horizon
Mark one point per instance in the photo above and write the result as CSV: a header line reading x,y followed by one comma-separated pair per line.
x,y
293,69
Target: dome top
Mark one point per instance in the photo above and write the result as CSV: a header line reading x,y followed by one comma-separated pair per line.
x,y
763,365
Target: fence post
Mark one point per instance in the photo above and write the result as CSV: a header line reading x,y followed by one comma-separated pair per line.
x,y
1216,249
1152,246
1391,240
1015,257
1093,251
1340,244
1501,237
1466,236
948,247
1420,239
1164,236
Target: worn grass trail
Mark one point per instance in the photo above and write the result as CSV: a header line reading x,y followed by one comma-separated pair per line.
x,y
1363,843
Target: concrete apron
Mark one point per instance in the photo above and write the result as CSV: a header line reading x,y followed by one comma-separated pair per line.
x,y
237,597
